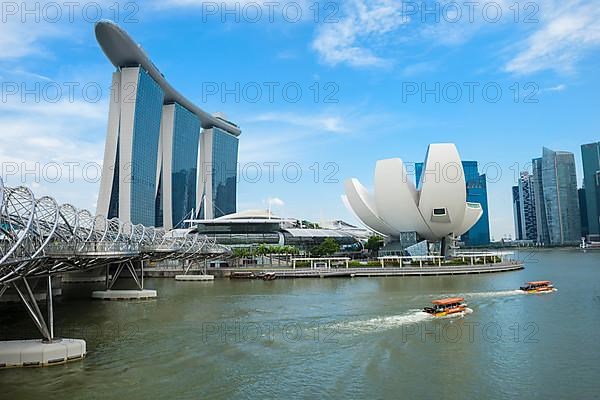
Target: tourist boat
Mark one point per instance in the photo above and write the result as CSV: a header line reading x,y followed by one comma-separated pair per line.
x,y
454,306
538,287
268,276
242,275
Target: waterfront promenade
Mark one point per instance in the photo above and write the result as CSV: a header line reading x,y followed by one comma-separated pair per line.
x,y
345,272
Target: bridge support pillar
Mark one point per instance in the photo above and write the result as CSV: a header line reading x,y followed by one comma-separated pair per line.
x,y
202,277
135,294
47,351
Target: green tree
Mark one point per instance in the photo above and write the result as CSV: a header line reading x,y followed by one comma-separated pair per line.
x,y
374,243
328,247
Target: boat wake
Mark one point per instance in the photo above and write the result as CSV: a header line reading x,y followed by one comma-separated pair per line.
x,y
501,293
383,323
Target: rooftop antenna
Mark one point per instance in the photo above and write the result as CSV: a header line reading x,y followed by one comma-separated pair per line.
x,y
269,207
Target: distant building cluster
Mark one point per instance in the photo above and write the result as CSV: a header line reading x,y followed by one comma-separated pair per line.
x,y
548,207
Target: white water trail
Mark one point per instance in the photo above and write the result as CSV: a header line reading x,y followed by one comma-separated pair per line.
x,y
384,323
500,293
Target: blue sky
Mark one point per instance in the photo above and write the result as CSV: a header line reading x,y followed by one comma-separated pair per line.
x,y
361,66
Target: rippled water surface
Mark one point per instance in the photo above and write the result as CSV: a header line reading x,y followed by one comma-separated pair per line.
x,y
330,338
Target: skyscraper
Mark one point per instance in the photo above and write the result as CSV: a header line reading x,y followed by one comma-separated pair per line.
x,y
129,175
540,207
585,230
479,234
218,174
559,181
527,207
517,213
180,131
590,154
151,158
597,183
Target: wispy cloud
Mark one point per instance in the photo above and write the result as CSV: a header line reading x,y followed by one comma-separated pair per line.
x,y
18,40
275,202
320,122
48,146
558,88
418,69
350,40
28,25
565,36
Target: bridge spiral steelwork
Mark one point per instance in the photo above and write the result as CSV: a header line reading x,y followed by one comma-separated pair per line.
x,y
40,238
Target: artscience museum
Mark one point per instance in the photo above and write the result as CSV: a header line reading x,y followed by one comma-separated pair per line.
x,y
435,209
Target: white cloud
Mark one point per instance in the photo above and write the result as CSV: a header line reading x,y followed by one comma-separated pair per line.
x,y
558,88
566,34
275,202
27,24
48,147
350,40
18,40
322,122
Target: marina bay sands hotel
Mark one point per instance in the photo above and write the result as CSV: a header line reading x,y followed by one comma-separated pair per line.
x,y
165,160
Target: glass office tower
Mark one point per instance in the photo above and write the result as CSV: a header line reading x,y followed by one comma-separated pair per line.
x,y
559,182
540,207
527,207
144,154
184,165
517,213
217,185
585,230
224,177
129,176
176,198
590,154
597,183
479,234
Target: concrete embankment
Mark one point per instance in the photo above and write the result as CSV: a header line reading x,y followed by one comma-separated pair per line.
x,y
345,272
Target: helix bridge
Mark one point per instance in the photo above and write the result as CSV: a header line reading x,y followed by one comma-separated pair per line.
x,y
40,238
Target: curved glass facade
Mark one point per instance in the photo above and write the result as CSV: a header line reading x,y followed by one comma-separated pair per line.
x,y
186,132
156,149
150,169
144,154
224,172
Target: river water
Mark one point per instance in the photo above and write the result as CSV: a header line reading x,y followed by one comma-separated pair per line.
x,y
330,338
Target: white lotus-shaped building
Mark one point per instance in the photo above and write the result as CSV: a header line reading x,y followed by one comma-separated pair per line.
x,y
436,209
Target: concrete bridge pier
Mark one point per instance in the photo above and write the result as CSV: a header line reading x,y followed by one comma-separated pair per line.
x,y
128,294
48,351
202,277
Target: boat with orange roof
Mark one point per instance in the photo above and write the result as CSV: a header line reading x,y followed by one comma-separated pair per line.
x,y
538,287
447,307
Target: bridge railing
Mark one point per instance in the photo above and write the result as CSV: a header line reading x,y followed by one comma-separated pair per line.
x,y
92,248
36,233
